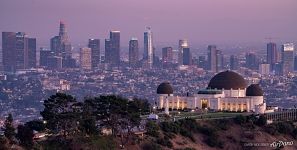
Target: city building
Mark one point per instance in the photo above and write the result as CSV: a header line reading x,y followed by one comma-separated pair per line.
x,y
226,91
18,51
85,58
187,56
202,62
181,45
32,53
287,58
94,44
8,51
234,62
112,48
167,55
45,54
264,69
272,53
148,53
212,58
251,61
133,51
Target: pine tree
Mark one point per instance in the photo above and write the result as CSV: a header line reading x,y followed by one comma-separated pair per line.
x,y
9,130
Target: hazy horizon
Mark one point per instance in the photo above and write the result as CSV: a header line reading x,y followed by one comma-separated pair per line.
x,y
199,21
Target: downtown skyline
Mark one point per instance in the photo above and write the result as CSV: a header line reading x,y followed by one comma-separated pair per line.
x,y
226,22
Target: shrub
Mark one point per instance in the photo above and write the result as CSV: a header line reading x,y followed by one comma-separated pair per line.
x,y
165,142
152,129
151,146
261,121
240,119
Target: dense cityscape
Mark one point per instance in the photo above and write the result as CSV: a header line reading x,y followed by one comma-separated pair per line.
x,y
148,75
31,74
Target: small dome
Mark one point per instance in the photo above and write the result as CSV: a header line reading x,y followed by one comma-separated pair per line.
x,y
165,88
254,90
227,80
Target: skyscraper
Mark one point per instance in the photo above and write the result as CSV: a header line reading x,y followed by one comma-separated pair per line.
x,y
85,58
44,57
133,52
56,45
234,63
112,48
108,53
212,58
181,44
187,56
287,58
148,55
8,51
251,61
271,53
167,55
94,44
32,52
21,50
220,60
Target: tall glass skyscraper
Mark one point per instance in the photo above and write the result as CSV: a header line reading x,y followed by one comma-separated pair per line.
x,y
287,58
115,48
148,55
212,58
133,51
94,44
181,45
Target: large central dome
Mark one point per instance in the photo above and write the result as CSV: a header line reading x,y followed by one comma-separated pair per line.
x,y
227,80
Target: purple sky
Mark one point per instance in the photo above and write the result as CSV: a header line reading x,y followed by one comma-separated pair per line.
x,y
200,21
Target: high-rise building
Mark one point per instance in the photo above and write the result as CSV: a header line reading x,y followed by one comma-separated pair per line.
x,y
234,63
112,48
212,58
167,55
271,53
21,50
181,45
251,61
44,57
85,58
56,45
202,63
148,55
8,51
94,44
287,58
187,56
32,52
220,60
133,51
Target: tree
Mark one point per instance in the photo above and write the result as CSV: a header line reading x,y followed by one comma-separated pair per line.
x,y
25,136
36,125
4,143
62,113
9,130
261,121
152,129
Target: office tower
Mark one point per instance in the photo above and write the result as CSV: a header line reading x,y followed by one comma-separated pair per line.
x,y
44,57
133,51
56,45
148,55
108,53
271,53
31,52
202,63
212,58
287,58
94,44
21,50
167,55
264,69
8,51
220,60
187,56
114,52
181,45
85,58
252,61
234,63
55,62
